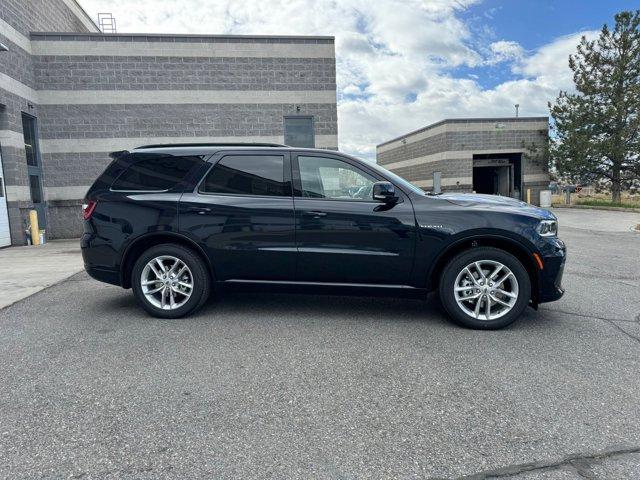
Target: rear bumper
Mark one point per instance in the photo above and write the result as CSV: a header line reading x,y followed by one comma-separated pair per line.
x,y
103,275
99,257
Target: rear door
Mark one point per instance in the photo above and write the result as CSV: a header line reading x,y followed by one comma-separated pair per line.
x,y
242,214
343,235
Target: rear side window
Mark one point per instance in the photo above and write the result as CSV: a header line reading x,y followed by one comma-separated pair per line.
x,y
155,172
261,175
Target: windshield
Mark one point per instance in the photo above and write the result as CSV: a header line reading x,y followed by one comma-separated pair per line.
x,y
397,179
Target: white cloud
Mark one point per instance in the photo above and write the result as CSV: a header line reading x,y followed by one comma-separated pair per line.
x,y
387,51
550,64
503,51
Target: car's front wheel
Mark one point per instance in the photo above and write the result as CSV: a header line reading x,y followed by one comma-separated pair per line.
x,y
170,281
485,288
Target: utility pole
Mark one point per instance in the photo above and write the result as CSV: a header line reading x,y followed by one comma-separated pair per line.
x,y
517,108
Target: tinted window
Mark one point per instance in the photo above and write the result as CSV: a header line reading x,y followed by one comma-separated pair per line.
x,y
247,175
155,172
334,179
298,132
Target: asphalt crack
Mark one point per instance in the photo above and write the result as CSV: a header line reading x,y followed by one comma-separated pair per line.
x,y
630,335
579,462
611,321
600,276
594,317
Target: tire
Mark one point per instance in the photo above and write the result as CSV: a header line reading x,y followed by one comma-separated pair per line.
x,y
185,300
460,294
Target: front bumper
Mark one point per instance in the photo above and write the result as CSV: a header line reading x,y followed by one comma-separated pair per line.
x,y
554,255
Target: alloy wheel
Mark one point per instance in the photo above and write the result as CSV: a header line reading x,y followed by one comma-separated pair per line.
x,y
167,282
486,290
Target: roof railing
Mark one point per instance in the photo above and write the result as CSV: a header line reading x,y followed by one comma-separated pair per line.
x,y
228,144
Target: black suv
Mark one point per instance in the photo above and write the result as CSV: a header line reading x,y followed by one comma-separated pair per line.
x,y
175,222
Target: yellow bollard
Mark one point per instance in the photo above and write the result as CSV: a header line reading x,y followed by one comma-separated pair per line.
x,y
35,231
528,195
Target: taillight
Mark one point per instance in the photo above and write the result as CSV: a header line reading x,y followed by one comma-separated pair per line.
x,y
88,208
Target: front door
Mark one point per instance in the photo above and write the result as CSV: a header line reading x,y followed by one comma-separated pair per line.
x,y
242,214
343,235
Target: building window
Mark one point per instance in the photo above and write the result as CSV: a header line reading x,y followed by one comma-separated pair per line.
x,y
36,190
261,175
298,132
30,140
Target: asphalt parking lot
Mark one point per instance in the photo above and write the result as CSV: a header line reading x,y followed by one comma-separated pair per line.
x,y
281,386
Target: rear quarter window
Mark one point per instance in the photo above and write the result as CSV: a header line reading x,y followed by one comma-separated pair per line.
x,y
152,172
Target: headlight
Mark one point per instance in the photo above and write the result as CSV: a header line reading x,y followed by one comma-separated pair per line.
x,y
548,228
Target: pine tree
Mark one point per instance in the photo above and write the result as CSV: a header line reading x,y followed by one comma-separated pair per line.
x,y
596,131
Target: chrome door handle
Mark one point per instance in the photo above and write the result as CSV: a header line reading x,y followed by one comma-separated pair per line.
x,y
316,214
200,210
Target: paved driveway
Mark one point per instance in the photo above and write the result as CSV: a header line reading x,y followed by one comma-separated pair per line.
x,y
278,386
27,270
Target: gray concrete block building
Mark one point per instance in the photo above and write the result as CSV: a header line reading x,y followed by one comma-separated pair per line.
x,y
500,156
70,94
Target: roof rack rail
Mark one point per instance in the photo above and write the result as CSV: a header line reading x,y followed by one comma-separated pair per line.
x,y
227,144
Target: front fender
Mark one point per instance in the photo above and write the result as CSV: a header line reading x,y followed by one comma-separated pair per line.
x,y
430,261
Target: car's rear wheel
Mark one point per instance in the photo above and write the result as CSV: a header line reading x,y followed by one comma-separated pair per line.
x,y
485,288
170,281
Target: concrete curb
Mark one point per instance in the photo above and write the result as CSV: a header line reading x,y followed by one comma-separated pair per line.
x,y
589,207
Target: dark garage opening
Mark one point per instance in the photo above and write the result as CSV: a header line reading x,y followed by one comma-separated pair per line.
x,y
497,174
485,180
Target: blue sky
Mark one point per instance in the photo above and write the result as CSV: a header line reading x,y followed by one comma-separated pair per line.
x,y
403,64
532,24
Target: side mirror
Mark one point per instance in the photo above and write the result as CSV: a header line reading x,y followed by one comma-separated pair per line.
x,y
384,192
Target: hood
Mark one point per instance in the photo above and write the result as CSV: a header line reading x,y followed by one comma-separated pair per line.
x,y
496,202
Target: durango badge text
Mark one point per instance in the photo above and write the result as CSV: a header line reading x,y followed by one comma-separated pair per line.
x,y
177,222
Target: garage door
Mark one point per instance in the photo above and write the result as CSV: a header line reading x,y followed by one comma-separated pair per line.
x,y
5,238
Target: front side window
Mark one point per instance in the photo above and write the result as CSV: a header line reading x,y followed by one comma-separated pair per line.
x,y
152,172
261,175
334,179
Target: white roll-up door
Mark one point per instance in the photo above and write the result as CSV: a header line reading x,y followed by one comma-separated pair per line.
x,y
5,237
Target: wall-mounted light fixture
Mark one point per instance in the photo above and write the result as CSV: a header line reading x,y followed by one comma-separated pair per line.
x,y
3,48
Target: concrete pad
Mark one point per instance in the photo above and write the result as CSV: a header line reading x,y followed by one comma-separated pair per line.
x,y
27,270
596,220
